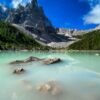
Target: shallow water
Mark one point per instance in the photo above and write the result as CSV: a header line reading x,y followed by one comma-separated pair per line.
x,y
78,76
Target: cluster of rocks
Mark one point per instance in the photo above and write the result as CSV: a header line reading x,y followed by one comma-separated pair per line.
x,y
51,87
33,59
51,61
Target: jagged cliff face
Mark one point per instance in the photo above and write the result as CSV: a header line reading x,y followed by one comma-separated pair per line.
x,y
31,15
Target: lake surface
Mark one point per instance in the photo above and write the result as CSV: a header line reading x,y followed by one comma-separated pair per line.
x,y
78,76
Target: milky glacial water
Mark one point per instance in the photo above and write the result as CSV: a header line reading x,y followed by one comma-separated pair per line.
x,y
78,76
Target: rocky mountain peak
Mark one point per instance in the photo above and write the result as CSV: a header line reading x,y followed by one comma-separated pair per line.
x,y
31,15
34,3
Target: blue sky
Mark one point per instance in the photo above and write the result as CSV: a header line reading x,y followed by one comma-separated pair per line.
x,y
77,14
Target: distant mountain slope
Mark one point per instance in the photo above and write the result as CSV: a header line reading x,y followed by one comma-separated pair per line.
x,y
90,41
12,38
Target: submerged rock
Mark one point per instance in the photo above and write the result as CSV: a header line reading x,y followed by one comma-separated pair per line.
x,y
49,87
18,71
52,61
44,88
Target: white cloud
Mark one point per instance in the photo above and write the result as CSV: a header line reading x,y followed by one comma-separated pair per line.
x,y
3,7
93,17
15,3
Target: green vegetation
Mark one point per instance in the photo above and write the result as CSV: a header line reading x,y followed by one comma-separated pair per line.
x,y
90,41
12,39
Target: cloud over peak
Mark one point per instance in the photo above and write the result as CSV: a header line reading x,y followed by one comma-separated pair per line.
x,y
3,7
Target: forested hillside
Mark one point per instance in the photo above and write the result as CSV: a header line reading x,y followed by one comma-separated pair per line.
x,y
90,41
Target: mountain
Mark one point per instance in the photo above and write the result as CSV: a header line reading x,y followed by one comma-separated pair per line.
x,y
90,41
13,39
32,18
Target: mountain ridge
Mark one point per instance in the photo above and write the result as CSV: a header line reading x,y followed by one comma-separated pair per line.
x,y
32,18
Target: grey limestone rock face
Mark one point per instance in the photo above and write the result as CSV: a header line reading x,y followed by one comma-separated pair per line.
x,y
30,15
33,19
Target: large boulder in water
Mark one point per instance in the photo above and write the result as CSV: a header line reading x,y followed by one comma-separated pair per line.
x,y
52,61
32,59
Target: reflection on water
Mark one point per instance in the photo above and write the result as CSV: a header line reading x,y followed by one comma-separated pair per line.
x,y
78,76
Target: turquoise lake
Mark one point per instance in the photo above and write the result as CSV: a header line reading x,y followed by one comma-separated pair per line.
x,y
78,76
